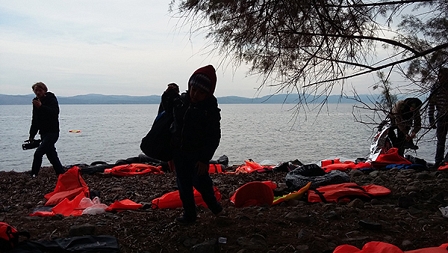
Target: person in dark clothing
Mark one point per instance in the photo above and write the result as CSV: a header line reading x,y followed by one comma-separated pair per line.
x,y
196,136
406,118
45,121
438,100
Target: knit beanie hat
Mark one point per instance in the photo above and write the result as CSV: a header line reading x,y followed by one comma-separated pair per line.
x,y
413,102
204,78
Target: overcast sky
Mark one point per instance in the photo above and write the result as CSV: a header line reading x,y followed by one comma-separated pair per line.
x,y
112,47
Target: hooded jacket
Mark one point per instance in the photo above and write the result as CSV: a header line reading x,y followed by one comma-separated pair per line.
x,y
196,128
45,118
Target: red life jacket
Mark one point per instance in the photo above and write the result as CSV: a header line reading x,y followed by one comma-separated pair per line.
x,y
172,200
250,166
133,169
362,165
345,192
215,168
125,204
9,236
383,247
390,157
443,166
69,185
69,207
254,194
336,164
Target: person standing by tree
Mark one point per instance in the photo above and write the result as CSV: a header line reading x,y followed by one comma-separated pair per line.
x,y
196,136
406,118
45,121
438,100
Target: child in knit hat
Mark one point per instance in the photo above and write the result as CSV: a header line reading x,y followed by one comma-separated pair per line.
x,y
196,135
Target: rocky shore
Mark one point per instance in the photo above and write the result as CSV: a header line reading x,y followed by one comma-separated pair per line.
x,y
409,217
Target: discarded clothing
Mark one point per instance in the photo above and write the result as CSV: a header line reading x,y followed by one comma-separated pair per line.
x,y
84,244
298,178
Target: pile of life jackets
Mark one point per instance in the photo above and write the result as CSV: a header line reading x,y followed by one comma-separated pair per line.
x,y
70,190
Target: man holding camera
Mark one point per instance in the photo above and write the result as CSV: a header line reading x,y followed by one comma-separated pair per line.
x,y
45,121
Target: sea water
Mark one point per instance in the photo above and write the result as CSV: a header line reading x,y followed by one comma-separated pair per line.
x,y
271,133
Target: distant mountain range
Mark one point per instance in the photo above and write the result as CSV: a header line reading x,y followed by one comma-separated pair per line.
x,y
155,99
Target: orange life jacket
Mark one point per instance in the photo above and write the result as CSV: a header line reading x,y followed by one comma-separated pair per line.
x,y
336,164
69,207
172,200
133,169
69,185
250,166
215,168
125,204
345,192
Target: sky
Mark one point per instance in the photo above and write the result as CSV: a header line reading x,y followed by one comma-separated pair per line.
x,y
111,47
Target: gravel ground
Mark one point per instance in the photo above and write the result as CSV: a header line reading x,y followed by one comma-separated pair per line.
x,y
409,217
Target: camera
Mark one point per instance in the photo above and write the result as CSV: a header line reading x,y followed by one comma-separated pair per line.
x,y
31,144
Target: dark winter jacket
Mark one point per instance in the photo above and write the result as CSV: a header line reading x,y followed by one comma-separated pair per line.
x,y
45,118
196,127
404,119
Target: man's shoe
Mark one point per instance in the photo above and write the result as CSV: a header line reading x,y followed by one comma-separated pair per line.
x,y
220,212
217,211
437,165
185,221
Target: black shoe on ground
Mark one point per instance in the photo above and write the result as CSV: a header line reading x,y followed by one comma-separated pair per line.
x,y
185,221
217,210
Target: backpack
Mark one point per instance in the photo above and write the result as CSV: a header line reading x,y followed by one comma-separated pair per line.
x,y
157,143
9,236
